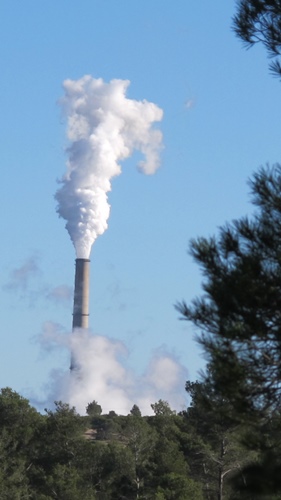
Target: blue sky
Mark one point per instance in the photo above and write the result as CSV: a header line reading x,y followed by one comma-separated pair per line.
x,y
221,122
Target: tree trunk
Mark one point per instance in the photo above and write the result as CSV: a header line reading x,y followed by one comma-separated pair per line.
x,y
221,475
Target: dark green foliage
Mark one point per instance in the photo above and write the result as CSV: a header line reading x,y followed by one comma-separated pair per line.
x,y
63,428
94,409
261,475
135,411
169,470
139,438
48,457
178,487
162,408
18,445
62,443
165,456
259,21
215,452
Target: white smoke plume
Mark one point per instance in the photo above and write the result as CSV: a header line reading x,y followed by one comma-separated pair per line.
x,y
104,127
104,377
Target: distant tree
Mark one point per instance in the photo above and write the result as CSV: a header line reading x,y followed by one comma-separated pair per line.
x,y
170,475
135,411
19,425
116,472
65,483
215,451
112,414
259,21
162,408
93,409
17,414
138,436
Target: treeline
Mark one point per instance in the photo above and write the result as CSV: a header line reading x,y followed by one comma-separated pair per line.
x,y
193,455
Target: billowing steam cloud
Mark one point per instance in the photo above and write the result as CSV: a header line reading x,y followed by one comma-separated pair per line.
x,y
104,127
104,376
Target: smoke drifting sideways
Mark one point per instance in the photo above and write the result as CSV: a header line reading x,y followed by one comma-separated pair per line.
x,y
105,377
104,127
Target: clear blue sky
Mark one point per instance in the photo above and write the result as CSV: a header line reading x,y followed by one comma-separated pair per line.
x,y
221,122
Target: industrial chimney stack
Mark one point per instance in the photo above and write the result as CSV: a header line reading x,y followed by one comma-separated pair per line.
x,y
81,298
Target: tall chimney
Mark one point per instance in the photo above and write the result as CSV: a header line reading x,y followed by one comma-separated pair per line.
x,y
81,299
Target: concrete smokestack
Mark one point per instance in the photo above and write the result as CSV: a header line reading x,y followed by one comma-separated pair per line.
x,y
81,294
81,298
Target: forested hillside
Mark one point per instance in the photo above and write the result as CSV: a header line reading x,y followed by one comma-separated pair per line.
x,y
194,455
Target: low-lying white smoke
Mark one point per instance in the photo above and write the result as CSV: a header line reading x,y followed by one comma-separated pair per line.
x,y
104,377
103,127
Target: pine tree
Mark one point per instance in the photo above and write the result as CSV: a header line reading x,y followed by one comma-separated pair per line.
x,y
239,322
239,315
259,21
